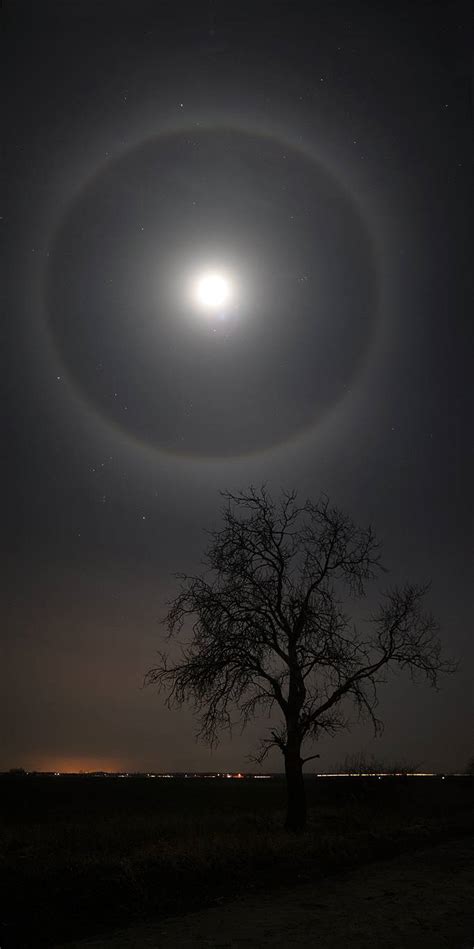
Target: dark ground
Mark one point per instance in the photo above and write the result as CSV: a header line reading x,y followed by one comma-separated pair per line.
x,y
422,900
82,856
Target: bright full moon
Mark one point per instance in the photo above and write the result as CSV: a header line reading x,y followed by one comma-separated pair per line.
x,y
212,290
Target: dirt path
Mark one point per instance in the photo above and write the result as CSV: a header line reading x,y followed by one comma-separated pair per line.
x,y
423,900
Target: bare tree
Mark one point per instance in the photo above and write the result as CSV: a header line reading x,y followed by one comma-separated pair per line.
x,y
267,629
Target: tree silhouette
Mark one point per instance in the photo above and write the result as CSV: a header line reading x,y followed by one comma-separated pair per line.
x,y
267,629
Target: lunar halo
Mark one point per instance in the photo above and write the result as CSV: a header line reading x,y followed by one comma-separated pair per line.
x,y
211,291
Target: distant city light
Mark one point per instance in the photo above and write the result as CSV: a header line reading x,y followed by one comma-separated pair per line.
x,y
239,775
378,774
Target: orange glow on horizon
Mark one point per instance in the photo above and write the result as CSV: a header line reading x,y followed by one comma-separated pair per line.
x,y
77,763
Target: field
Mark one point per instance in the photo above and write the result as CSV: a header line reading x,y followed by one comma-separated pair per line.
x,y
82,855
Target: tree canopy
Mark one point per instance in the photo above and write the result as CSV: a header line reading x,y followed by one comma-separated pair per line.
x,y
267,627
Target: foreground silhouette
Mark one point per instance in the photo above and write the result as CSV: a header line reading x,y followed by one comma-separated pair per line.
x,y
268,629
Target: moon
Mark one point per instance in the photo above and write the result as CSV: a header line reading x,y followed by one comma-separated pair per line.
x,y
224,356
212,290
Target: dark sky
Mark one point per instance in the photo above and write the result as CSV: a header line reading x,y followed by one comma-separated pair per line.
x,y
317,155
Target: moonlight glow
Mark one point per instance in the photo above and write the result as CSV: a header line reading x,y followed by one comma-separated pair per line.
x,y
212,290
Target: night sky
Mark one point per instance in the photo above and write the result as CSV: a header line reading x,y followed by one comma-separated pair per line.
x,y
314,159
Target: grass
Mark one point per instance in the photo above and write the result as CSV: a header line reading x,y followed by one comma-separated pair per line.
x,y
81,854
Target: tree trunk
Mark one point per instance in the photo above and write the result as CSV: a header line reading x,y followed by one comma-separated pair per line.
x,y
296,794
